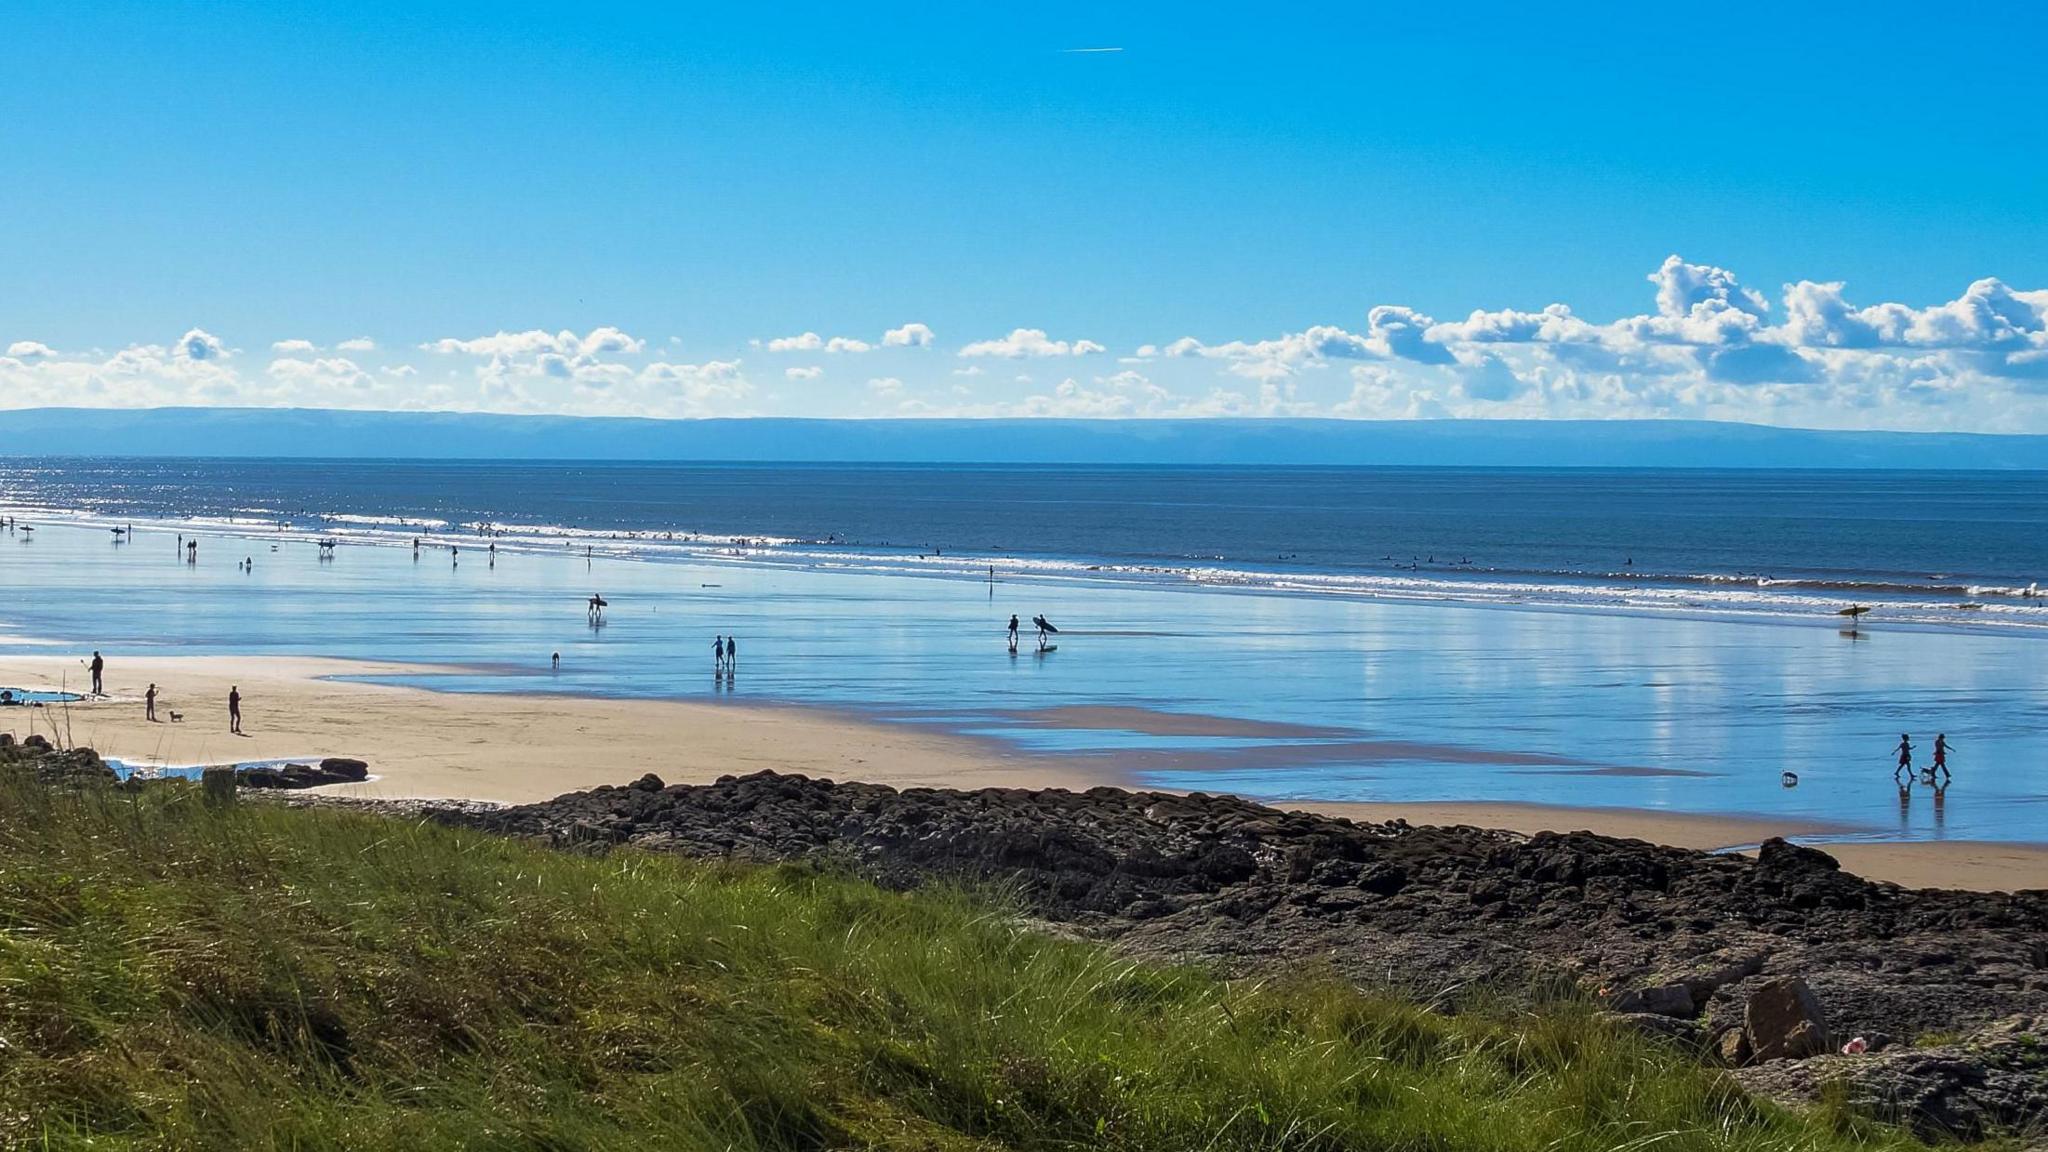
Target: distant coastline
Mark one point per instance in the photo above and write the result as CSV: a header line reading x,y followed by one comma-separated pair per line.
x,y
308,433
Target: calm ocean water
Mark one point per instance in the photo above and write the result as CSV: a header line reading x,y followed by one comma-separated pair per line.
x,y
1643,639
1935,547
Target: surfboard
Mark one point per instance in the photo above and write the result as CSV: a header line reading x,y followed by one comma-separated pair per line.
x,y
1853,610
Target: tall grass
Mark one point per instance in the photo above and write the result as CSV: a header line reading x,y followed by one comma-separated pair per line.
x,y
178,977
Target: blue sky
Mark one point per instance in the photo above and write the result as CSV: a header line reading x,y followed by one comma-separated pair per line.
x,y
642,199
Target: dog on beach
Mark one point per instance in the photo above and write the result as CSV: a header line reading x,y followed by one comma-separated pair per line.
x,y
177,717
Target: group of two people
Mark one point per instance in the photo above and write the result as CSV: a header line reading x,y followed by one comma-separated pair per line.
x,y
1938,764
1044,626
725,653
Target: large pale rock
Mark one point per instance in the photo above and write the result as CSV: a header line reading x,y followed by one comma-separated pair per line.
x,y
1783,1019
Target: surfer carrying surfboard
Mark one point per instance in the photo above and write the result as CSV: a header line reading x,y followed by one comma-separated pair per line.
x,y
1045,628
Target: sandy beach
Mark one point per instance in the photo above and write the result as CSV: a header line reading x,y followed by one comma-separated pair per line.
x,y
525,747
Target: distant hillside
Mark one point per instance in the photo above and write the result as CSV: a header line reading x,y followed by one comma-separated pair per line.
x,y
292,432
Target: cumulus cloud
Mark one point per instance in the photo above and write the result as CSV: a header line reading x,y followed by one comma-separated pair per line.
x,y
1269,359
536,342
1399,333
332,371
197,344
1703,345
1026,343
812,342
808,342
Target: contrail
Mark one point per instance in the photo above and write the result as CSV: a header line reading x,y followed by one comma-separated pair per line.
x,y
1072,50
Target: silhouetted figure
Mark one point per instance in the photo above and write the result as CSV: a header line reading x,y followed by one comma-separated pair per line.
x,y
555,661
718,654
1013,632
149,704
235,709
1940,754
732,653
98,666
1905,751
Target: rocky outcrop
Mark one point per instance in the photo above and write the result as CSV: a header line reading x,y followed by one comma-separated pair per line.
x,y
1992,1081
1749,962
1656,930
72,767
333,770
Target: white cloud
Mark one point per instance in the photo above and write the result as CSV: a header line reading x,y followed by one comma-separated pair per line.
x,y
536,342
1703,345
710,388
359,344
329,372
1024,343
812,342
908,336
197,344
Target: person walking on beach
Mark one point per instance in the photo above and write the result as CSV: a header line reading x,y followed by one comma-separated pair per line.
x,y
98,666
732,653
235,709
718,655
1940,763
1905,751
1013,632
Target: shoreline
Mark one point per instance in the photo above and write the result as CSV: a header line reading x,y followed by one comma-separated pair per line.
x,y
521,748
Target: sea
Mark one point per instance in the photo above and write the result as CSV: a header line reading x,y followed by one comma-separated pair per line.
x,y
1659,639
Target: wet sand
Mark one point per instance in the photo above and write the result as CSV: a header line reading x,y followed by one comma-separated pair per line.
x,y
520,748
505,748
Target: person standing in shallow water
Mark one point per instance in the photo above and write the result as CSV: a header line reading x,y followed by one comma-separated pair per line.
x,y
732,653
718,654
235,709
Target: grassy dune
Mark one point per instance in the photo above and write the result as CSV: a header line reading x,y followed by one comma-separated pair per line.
x,y
176,977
